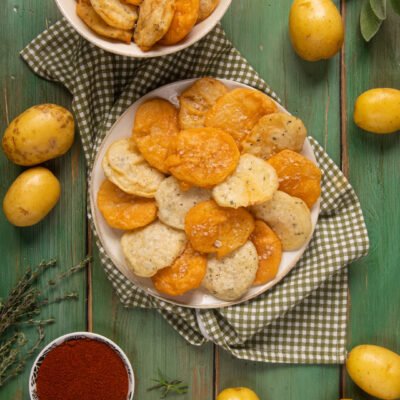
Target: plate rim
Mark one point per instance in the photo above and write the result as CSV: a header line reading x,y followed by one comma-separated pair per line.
x,y
224,303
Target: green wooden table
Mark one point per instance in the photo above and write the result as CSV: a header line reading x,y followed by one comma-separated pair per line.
x,y
322,94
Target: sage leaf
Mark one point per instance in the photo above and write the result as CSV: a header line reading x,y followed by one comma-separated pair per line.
x,y
379,8
396,6
369,22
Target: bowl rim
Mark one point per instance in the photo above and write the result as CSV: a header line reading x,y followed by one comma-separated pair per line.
x,y
79,335
105,43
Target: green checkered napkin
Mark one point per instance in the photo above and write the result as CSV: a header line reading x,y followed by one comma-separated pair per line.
x,y
303,318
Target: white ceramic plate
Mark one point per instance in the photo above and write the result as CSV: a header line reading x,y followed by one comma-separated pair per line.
x,y
110,237
67,8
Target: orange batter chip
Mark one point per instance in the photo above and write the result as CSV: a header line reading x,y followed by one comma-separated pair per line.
x,y
122,210
202,156
156,125
211,228
269,250
184,274
298,176
238,111
185,17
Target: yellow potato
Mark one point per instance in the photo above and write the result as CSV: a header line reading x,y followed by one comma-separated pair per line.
x,y
378,110
39,134
31,197
376,370
237,393
316,29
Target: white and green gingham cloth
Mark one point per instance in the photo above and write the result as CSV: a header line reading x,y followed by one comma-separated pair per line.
x,y
300,320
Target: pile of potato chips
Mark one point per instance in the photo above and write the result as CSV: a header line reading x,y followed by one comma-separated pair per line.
x,y
211,193
166,22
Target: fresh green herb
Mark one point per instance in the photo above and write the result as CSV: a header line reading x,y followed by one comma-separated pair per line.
x,y
168,386
22,307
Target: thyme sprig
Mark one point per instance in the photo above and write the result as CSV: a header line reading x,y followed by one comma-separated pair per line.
x,y
22,308
166,386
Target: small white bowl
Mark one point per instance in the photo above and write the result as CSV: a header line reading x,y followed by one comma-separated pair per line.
x,y
68,9
74,336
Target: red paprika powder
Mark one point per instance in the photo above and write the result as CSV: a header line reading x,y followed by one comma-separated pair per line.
x,y
82,369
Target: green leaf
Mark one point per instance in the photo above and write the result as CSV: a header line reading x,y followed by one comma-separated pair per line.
x,y
396,6
369,22
379,8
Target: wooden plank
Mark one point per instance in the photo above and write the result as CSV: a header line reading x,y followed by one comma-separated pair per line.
x,y
311,92
62,233
374,166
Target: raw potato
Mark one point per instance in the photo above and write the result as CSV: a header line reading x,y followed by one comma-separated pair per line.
x,y
39,134
31,197
115,13
378,110
237,393
253,182
87,14
375,370
316,29
289,217
124,166
273,133
197,100
152,248
230,277
185,17
174,203
206,9
155,18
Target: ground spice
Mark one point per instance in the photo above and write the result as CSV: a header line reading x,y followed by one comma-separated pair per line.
x,y
82,369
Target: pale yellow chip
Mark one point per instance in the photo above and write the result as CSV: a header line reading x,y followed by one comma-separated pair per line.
x,y
174,203
230,277
289,217
115,13
87,14
124,166
274,133
253,182
152,248
155,18
197,100
206,9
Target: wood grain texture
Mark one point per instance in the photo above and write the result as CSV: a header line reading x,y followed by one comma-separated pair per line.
x,y
62,233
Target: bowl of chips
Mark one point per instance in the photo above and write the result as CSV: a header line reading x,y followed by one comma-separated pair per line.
x,y
143,28
205,193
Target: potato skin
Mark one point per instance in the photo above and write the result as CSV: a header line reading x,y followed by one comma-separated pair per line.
x,y
40,133
376,370
378,110
31,197
316,29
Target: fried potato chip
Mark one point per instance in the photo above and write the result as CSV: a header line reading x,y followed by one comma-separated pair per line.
x,y
155,126
206,9
87,14
269,250
124,166
122,210
273,133
289,217
134,2
238,111
197,100
298,176
231,277
253,182
155,18
185,17
173,203
186,273
115,13
203,156
152,248
211,228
